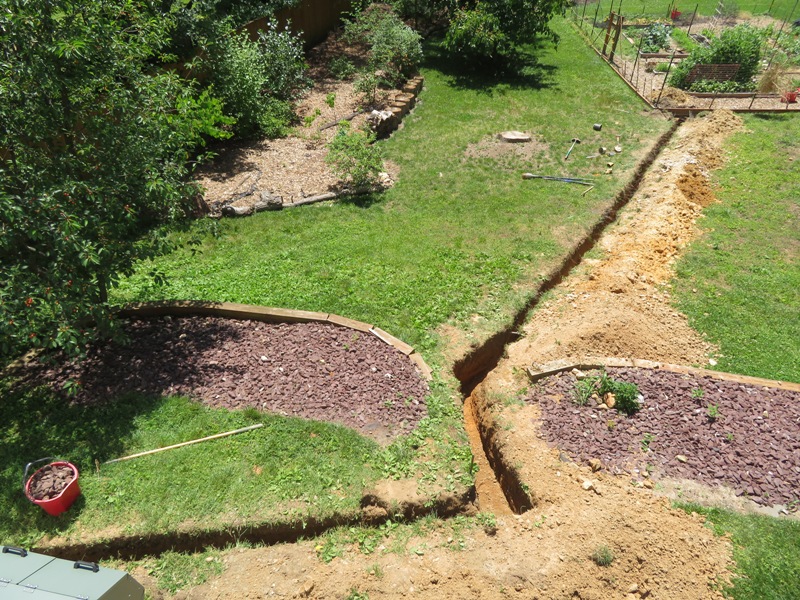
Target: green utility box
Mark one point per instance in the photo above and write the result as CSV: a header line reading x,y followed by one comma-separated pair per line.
x,y
29,576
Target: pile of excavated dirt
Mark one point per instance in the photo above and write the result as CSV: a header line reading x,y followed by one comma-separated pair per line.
x,y
618,305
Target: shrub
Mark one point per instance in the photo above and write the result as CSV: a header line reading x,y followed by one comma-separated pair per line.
x,y
477,36
741,45
283,62
626,394
341,68
655,37
258,80
395,49
353,156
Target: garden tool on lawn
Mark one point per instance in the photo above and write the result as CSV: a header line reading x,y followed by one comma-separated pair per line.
x,y
574,141
562,179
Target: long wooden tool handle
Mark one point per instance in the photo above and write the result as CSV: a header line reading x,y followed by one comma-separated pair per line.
x,y
205,439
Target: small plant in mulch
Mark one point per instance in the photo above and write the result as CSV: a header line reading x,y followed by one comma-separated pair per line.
x,y
352,156
603,556
623,396
712,410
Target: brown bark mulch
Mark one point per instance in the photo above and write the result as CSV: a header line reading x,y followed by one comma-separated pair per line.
x,y
752,446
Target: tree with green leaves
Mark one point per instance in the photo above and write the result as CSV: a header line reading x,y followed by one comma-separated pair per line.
x,y
488,30
95,148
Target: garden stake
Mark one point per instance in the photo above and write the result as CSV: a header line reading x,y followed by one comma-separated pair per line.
x,y
574,141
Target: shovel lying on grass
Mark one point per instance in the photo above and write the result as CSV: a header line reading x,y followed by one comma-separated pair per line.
x,y
562,179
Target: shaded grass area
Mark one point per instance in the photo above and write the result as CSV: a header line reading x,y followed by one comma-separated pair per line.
x,y
456,236
250,477
766,551
740,282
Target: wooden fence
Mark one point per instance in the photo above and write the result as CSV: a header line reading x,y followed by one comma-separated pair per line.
x,y
313,18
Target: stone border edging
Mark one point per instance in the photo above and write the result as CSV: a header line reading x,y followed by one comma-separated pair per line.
x,y
267,314
559,366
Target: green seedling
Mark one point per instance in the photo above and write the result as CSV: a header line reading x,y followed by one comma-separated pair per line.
x,y
603,556
713,412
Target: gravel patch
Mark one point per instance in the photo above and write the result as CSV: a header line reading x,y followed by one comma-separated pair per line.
x,y
752,446
311,370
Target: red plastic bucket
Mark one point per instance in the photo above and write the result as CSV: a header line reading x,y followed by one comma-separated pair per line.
x,y
60,503
789,97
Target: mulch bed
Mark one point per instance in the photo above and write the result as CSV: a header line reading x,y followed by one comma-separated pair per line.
x,y
312,370
752,446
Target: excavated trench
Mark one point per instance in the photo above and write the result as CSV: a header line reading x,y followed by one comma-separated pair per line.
x,y
500,481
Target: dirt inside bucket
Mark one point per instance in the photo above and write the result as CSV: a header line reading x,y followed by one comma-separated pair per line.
x,y
49,481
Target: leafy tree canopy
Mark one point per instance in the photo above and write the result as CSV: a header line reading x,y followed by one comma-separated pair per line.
x,y
94,152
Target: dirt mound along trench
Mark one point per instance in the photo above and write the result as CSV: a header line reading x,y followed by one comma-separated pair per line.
x,y
616,305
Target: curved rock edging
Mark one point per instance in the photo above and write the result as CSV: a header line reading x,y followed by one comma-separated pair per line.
x,y
232,310
559,366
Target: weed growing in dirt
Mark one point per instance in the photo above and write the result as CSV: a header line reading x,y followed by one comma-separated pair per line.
x,y
342,68
647,439
355,594
602,556
698,393
376,571
488,521
712,410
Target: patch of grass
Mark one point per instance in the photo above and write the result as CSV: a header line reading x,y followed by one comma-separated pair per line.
x,y
287,469
766,551
175,571
740,282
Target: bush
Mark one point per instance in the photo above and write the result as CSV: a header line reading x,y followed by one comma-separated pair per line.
x,y
476,35
341,68
352,156
257,81
395,49
626,394
283,62
741,45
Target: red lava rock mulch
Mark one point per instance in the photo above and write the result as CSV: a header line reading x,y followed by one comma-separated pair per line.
x,y
49,481
753,446
313,370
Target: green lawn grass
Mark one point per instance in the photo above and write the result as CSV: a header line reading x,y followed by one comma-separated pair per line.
x,y
456,237
766,551
740,282
251,477
659,9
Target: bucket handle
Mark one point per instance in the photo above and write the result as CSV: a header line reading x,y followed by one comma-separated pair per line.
x,y
29,465
15,550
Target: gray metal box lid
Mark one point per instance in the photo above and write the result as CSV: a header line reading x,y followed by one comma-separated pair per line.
x,y
37,577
